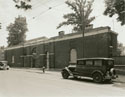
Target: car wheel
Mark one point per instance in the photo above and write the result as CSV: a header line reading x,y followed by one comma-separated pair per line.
x,y
65,74
97,77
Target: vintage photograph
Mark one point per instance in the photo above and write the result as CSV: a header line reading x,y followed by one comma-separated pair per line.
x,y
62,48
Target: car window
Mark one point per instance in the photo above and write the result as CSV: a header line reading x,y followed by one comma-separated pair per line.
x,y
89,62
110,62
97,63
80,62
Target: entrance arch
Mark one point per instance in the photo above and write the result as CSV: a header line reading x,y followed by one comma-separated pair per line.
x,y
73,56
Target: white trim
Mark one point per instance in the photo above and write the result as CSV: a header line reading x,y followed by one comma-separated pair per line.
x,y
29,55
51,53
42,54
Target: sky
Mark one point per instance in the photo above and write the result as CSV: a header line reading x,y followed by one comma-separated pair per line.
x,y
45,16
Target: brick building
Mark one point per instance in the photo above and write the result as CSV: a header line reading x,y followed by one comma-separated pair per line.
x,y
58,51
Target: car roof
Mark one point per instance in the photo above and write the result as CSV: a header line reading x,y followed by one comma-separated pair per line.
x,y
96,58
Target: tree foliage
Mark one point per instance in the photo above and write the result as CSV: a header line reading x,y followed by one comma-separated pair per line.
x,y
116,7
120,49
23,4
80,17
17,31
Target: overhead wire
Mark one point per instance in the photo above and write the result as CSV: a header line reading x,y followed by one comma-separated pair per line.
x,y
49,8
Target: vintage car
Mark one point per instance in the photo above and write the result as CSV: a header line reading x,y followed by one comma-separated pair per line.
x,y
4,65
100,69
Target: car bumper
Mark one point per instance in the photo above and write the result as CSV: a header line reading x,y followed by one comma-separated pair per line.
x,y
111,77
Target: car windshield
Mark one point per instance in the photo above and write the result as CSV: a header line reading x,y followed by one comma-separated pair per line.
x,y
110,63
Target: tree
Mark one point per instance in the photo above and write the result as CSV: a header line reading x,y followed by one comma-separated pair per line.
x,y
23,4
115,7
81,15
17,31
120,49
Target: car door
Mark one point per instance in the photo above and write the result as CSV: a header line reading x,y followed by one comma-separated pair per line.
x,y
88,68
80,67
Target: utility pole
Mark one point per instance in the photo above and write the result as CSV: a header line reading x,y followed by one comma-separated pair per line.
x,y
83,36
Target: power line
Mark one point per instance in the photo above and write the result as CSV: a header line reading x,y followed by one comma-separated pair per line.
x,y
4,23
49,8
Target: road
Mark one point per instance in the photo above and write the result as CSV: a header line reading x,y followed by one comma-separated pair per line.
x,y
34,83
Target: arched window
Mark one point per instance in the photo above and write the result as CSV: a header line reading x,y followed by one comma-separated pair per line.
x,y
73,56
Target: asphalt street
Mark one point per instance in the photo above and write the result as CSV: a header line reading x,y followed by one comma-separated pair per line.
x,y
34,83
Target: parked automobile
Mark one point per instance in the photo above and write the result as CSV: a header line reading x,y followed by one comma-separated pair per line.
x,y
4,65
100,69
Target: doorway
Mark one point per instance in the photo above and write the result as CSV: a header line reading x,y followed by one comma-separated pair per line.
x,y
73,56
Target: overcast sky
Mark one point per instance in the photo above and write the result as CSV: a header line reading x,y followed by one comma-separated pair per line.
x,y
42,21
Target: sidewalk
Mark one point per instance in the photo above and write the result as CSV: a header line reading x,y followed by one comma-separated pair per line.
x,y
121,74
37,69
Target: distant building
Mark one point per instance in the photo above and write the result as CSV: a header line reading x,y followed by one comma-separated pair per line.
x,y
58,51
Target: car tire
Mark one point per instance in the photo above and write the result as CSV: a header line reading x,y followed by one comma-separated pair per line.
x,y
97,77
65,74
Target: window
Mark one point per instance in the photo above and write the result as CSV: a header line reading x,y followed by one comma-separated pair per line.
x,y
81,62
13,59
73,56
97,63
89,63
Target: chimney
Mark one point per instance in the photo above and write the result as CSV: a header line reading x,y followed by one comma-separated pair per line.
x,y
61,33
90,26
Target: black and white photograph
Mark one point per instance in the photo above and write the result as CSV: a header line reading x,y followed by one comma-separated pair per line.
x,y
62,48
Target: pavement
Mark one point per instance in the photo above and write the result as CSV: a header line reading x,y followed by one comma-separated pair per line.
x,y
32,82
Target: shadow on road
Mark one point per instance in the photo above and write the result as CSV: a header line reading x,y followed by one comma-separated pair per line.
x,y
88,80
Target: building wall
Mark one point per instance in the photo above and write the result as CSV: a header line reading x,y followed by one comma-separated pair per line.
x,y
58,50
14,57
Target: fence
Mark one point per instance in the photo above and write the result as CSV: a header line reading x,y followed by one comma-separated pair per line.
x,y
119,60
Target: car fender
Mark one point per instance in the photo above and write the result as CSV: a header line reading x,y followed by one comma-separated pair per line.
x,y
67,69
